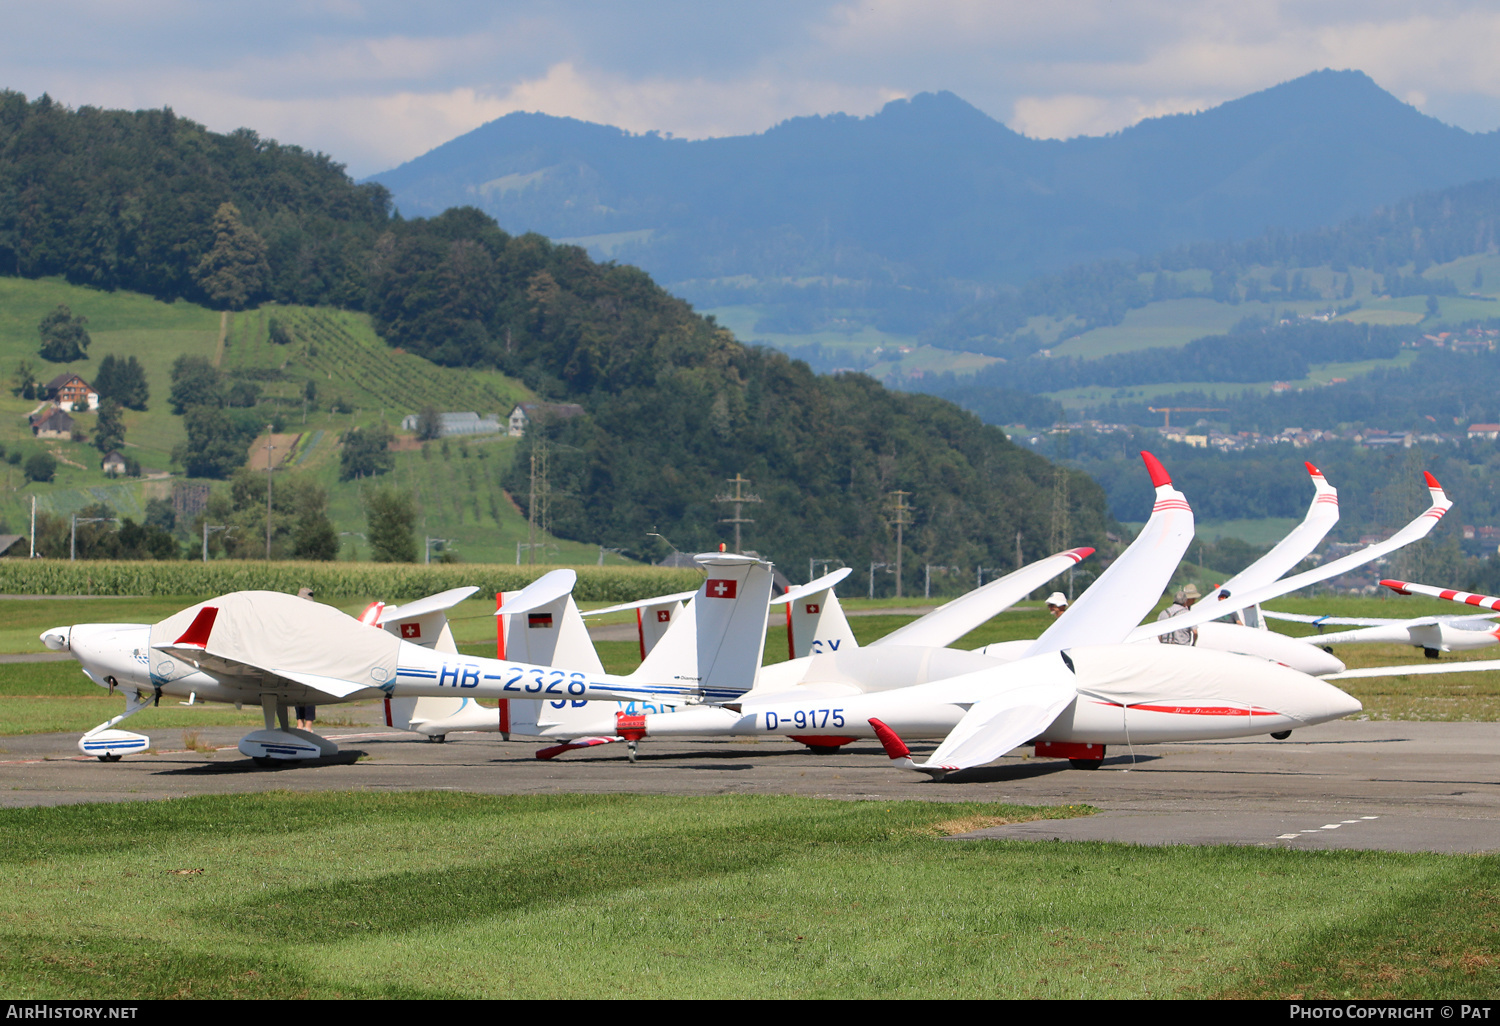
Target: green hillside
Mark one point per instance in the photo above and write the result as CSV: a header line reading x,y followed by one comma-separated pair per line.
x,y
456,484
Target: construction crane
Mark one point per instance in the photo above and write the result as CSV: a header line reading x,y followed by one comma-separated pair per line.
x,y
1167,411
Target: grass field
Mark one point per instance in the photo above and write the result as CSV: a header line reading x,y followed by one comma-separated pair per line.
x,y
449,895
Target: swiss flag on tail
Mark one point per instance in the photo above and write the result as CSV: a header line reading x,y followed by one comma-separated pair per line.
x,y
663,616
411,630
721,588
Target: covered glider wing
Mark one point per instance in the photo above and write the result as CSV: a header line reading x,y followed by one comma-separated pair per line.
x,y
283,635
1205,611
946,624
1322,514
995,725
1127,591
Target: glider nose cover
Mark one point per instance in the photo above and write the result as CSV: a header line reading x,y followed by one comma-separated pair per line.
x,y
57,638
1177,692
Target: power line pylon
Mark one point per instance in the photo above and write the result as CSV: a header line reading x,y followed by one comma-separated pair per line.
x,y
739,498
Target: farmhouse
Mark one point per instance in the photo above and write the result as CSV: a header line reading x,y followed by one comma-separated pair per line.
x,y
114,464
525,413
68,390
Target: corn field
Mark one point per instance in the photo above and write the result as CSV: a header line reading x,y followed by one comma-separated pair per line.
x,y
391,582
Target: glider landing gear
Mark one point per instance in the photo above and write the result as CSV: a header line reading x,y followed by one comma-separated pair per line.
x,y
1281,735
1431,653
437,739
107,744
1079,754
630,747
279,742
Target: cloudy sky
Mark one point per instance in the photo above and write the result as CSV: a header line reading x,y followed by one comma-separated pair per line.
x,y
375,82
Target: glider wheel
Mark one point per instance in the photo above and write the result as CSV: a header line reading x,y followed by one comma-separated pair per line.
x,y
111,757
437,739
1281,735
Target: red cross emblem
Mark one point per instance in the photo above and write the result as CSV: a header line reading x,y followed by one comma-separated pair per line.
x,y
411,630
721,588
812,608
663,616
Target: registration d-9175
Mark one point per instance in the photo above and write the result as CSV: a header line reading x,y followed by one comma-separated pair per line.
x,y
805,719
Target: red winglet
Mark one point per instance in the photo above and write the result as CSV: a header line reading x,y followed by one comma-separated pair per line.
x,y
1159,475
371,615
893,745
1399,587
1432,482
1079,554
196,636
1314,471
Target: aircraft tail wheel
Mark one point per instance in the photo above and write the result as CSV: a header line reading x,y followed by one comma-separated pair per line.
x,y
111,757
437,739
1281,735
1431,653
1086,764
630,750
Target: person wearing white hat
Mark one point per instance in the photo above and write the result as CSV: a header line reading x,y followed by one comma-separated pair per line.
x,y
1057,603
1183,601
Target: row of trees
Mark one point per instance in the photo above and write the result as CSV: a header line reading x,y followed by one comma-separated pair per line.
x,y
300,526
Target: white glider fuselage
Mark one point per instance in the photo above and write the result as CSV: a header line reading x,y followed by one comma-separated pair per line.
x,y
1125,693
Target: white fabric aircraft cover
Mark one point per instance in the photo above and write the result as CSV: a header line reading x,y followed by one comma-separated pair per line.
x,y
947,623
1204,611
1128,590
995,725
291,637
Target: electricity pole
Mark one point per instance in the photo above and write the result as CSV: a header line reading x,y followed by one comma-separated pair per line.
x,y
901,511
270,448
739,498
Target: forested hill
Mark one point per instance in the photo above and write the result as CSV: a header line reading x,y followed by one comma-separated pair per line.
x,y
674,404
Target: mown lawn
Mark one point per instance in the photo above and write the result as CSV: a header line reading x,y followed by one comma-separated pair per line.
x,y
433,895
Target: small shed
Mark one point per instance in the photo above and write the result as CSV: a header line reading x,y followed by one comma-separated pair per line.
x,y
52,423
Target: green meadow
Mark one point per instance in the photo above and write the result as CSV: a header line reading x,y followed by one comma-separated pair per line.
x,y
448,895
